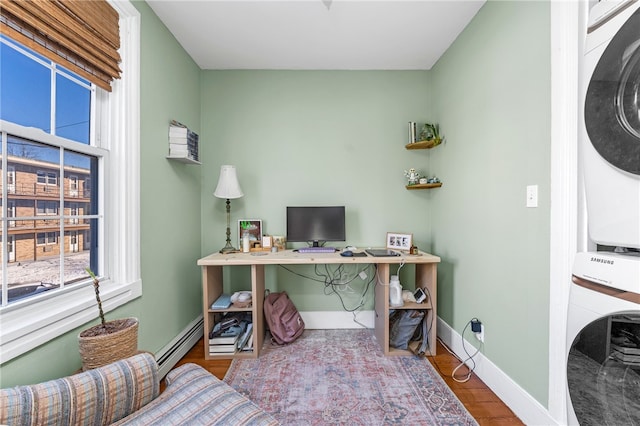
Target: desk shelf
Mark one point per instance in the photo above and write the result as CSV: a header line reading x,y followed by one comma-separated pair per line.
x,y
425,278
212,265
212,289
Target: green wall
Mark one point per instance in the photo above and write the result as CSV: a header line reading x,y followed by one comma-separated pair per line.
x,y
170,214
491,93
170,190
314,138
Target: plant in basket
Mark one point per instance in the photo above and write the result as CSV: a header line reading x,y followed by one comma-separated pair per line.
x,y
108,341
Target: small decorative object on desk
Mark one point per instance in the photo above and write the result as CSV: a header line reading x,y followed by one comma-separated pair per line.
x,y
397,241
412,176
253,229
279,241
267,241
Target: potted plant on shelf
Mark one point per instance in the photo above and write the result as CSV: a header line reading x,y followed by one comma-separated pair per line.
x,y
431,132
108,341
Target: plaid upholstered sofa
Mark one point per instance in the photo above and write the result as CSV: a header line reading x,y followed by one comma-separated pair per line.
x,y
127,392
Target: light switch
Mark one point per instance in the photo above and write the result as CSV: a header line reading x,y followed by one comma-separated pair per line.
x,y
532,195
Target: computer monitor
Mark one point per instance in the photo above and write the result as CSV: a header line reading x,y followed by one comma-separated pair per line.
x,y
316,225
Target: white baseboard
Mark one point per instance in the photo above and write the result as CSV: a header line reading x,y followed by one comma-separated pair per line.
x,y
524,406
319,320
170,354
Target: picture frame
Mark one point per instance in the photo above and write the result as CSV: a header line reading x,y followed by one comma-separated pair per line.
x,y
397,241
279,241
253,227
267,241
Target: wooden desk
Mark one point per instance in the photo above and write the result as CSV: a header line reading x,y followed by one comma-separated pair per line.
x,y
425,277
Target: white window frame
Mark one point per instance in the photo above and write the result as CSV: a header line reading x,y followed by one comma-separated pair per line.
x,y
43,208
47,241
29,323
48,178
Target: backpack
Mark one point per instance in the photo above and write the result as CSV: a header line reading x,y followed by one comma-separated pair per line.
x,y
283,319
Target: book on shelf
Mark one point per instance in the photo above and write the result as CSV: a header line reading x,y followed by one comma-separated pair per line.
x,y
249,346
222,302
224,340
242,341
227,333
182,139
628,355
629,350
178,146
222,349
231,327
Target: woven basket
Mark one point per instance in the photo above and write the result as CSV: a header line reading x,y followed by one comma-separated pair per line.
x,y
97,349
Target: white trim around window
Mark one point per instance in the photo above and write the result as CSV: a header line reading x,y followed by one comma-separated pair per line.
x,y
25,325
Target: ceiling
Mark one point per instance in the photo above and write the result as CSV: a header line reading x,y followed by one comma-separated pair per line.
x,y
316,34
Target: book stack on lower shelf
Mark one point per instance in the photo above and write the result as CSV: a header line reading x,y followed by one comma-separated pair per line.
x,y
626,354
233,333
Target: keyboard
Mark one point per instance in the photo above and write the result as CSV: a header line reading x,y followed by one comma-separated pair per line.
x,y
317,250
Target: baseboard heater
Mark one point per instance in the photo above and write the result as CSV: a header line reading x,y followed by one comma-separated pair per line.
x,y
173,352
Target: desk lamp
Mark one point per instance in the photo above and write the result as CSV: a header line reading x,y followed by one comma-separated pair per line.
x,y
229,188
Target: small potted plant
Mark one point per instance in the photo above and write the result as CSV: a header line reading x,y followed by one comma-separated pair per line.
x,y
431,132
108,341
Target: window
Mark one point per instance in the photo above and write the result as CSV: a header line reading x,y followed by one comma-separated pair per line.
x,y
45,238
72,133
47,178
44,157
46,208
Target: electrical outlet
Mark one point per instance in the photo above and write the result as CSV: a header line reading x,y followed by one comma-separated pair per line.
x,y
532,195
477,328
363,275
480,335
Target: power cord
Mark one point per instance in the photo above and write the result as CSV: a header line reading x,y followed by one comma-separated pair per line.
x,y
469,357
400,267
334,279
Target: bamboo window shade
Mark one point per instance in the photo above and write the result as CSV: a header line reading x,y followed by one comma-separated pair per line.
x,y
82,36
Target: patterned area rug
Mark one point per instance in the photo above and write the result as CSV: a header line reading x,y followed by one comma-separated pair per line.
x,y
340,377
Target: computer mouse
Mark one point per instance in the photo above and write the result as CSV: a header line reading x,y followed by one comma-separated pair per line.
x,y
347,253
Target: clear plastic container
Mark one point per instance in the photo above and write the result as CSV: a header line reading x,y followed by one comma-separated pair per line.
x,y
395,292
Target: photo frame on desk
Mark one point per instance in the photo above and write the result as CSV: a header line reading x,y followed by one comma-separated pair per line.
x,y
398,241
253,227
279,241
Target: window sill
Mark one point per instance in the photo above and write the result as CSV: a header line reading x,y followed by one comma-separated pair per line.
x,y
31,323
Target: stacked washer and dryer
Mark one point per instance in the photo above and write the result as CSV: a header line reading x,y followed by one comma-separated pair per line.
x,y
603,325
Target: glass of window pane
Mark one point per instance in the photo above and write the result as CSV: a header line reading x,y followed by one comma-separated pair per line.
x,y
26,85
80,173
73,109
79,253
32,268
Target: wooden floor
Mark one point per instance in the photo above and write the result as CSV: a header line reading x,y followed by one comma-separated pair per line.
x,y
479,400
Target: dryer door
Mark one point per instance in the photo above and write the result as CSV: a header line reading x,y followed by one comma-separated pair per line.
x,y
612,104
603,371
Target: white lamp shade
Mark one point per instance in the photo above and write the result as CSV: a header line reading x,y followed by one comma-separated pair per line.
x,y
228,185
